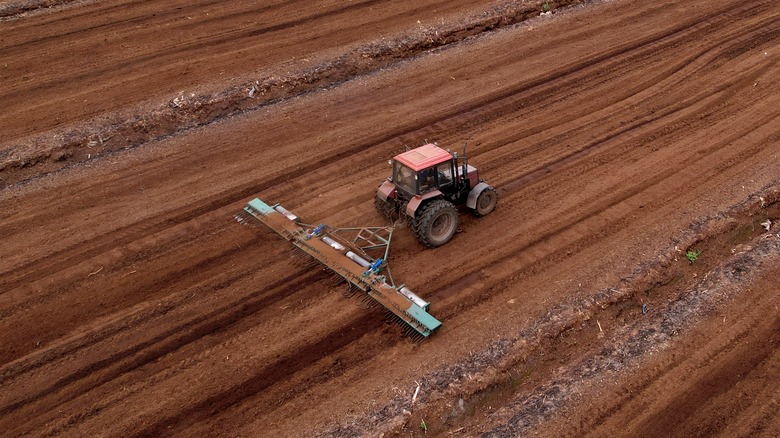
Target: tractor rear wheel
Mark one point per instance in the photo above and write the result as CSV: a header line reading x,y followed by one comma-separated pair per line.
x,y
436,223
385,208
486,202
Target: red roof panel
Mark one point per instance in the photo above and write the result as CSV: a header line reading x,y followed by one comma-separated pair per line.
x,y
424,156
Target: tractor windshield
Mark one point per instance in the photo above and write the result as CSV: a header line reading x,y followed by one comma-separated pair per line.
x,y
405,178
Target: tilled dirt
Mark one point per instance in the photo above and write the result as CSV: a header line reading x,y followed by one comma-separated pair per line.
x,y
619,135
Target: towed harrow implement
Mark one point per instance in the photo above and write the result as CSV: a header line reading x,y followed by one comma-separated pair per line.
x,y
351,253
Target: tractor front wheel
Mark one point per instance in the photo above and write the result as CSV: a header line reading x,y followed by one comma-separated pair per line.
x,y
436,223
486,202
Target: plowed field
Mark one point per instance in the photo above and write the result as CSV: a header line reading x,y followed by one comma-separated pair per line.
x,y
625,285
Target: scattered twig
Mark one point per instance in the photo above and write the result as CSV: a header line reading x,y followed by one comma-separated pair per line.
x,y
416,391
131,272
94,273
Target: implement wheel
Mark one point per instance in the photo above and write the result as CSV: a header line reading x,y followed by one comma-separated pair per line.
x,y
486,202
436,223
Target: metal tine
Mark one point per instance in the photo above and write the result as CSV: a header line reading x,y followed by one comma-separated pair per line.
x,y
297,252
302,255
243,217
370,302
300,258
297,259
350,290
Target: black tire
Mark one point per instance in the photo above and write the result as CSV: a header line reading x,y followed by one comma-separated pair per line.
x,y
385,208
436,223
486,202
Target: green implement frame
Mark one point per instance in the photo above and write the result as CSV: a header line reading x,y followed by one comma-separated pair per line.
x,y
359,256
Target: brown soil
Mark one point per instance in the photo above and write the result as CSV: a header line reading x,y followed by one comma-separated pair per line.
x,y
619,134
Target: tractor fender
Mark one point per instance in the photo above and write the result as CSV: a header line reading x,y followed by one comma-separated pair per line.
x,y
471,202
417,201
386,190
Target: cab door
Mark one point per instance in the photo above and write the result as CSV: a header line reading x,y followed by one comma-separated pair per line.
x,y
445,178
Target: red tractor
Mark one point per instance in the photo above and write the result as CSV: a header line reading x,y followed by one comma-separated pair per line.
x,y
427,185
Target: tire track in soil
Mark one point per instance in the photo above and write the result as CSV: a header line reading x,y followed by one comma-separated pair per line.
x,y
216,39
24,159
54,262
526,178
679,412
101,10
153,252
621,356
755,35
97,339
326,76
602,142
758,34
305,357
184,279
544,238
105,10
267,377
256,383
614,226
214,323
17,9
368,321
591,210
704,369
528,409
179,50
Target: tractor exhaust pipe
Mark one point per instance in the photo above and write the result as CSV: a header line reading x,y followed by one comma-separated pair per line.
x,y
465,161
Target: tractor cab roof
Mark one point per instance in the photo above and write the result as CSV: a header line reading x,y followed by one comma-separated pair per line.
x,y
423,157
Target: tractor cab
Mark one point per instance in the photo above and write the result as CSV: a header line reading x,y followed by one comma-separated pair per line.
x,y
423,169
